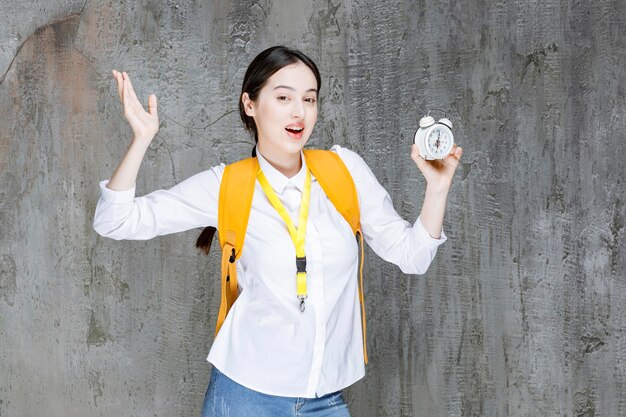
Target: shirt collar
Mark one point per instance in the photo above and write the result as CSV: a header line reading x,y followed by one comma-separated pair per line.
x,y
277,179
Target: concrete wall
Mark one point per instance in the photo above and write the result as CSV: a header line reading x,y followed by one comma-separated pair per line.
x,y
521,314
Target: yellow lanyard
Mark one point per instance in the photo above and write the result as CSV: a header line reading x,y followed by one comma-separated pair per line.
x,y
297,236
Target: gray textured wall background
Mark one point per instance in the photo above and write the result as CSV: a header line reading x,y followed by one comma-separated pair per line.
x,y
521,314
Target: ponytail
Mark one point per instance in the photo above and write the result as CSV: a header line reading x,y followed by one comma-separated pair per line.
x,y
205,239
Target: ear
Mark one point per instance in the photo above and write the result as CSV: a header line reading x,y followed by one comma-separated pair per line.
x,y
248,105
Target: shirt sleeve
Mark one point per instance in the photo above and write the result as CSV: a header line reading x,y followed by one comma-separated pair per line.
x,y
392,238
190,204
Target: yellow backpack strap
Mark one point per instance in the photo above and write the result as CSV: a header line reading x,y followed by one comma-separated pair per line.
x,y
236,192
338,185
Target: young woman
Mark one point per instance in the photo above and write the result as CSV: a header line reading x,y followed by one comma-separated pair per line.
x,y
270,357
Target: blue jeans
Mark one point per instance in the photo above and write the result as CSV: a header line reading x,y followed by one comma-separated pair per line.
x,y
226,398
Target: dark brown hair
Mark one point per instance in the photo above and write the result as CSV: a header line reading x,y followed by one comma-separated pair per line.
x,y
262,67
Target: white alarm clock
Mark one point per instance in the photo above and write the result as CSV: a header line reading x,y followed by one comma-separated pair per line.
x,y
434,139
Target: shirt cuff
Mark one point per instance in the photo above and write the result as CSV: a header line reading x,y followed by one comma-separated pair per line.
x,y
114,196
423,236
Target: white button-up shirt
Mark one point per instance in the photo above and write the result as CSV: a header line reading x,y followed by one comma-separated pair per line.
x,y
266,343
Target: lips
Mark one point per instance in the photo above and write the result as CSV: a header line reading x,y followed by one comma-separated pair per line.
x,y
295,130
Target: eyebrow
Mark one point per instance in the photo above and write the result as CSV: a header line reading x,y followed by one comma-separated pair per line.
x,y
293,89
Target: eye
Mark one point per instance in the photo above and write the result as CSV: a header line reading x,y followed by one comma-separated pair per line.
x,y
282,98
310,100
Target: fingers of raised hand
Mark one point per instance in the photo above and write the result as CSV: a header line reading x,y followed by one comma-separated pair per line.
x,y
120,85
130,87
123,83
152,104
130,101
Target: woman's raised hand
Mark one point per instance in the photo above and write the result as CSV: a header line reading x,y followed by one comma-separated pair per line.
x,y
438,173
144,124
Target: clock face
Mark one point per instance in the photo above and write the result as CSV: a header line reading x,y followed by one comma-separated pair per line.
x,y
439,141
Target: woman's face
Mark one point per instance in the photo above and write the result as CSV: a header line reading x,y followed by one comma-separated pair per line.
x,y
285,110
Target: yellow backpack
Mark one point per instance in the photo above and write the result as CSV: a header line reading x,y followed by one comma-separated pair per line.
x,y
235,200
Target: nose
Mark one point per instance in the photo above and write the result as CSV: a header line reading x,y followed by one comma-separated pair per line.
x,y
297,110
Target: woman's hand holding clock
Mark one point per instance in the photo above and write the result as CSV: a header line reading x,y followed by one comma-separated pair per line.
x,y
438,172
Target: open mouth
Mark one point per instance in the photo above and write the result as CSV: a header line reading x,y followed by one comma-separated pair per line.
x,y
295,131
